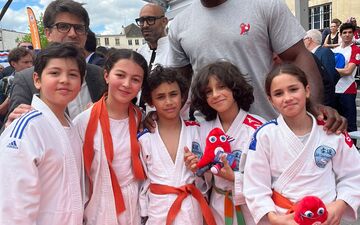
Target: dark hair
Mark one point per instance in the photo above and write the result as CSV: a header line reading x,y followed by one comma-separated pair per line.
x,y
90,44
346,26
17,53
160,75
290,69
64,6
230,76
114,55
101,50
58,51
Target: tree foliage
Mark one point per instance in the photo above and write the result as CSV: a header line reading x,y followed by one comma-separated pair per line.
x,y
43,40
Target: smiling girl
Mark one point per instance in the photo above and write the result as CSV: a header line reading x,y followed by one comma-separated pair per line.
x,y
111,150
292,157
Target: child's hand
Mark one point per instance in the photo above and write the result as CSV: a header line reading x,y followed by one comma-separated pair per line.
x,y
276,219
190,160
226,172
335,210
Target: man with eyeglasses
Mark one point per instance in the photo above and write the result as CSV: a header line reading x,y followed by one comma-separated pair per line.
x,y
64,21
152,22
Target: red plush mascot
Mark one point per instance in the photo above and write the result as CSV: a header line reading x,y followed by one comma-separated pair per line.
x,y
310,211
217,144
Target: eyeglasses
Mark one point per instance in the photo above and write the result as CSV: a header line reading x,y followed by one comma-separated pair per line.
x,y
150,20
30,47
65,28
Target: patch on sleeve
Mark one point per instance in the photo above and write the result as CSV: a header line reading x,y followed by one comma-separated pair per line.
x,y
191,123
139,134
252,122
323,154
348,140
253,141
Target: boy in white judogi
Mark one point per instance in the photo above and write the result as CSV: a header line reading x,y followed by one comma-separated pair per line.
x,y
169,195
40,157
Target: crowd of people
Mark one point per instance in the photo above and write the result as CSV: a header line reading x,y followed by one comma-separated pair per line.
x,y
80,145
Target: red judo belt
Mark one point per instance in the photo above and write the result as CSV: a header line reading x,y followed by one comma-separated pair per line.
x,y
183,192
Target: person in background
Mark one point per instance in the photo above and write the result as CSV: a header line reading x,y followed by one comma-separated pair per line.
x,y
19,58
333,39
356,39
92,56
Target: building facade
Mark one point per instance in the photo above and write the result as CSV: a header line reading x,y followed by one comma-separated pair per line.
x,y
130,38
321,12
8,39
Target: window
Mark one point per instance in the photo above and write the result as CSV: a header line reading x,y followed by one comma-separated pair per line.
x,y
130,42
320,16
136,41
106,41
117,41
98,41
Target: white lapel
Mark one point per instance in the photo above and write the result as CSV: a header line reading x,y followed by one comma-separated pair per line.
x,y
294,167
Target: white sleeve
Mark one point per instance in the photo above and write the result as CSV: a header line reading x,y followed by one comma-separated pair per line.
x,y
346,166
257,180
20,187
145,157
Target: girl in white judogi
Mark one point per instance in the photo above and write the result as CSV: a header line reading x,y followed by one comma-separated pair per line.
x,y
40,157
169,195
221,93
111,150
293,157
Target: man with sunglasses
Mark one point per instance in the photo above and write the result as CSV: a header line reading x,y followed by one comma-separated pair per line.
x,y
64,21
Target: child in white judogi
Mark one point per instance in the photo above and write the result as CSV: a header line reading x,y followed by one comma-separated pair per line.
x,y
221,93
293,157
111,149
40,155
169,195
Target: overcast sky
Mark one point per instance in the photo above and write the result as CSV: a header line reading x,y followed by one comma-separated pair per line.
x,y
106,16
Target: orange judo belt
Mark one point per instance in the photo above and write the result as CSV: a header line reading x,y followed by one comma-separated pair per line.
x,y
283,202
183,192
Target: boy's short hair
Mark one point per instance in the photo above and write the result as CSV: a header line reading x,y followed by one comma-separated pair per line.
x,y
346,26
64,6
160,75
17,53
59,51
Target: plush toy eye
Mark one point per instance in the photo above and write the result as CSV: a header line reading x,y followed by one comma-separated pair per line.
x,y
212,139
222,138
308,214
321,211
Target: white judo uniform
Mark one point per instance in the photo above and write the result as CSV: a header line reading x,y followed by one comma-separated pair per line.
x,y
327,166
161,169
101,209
240,132
40,167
